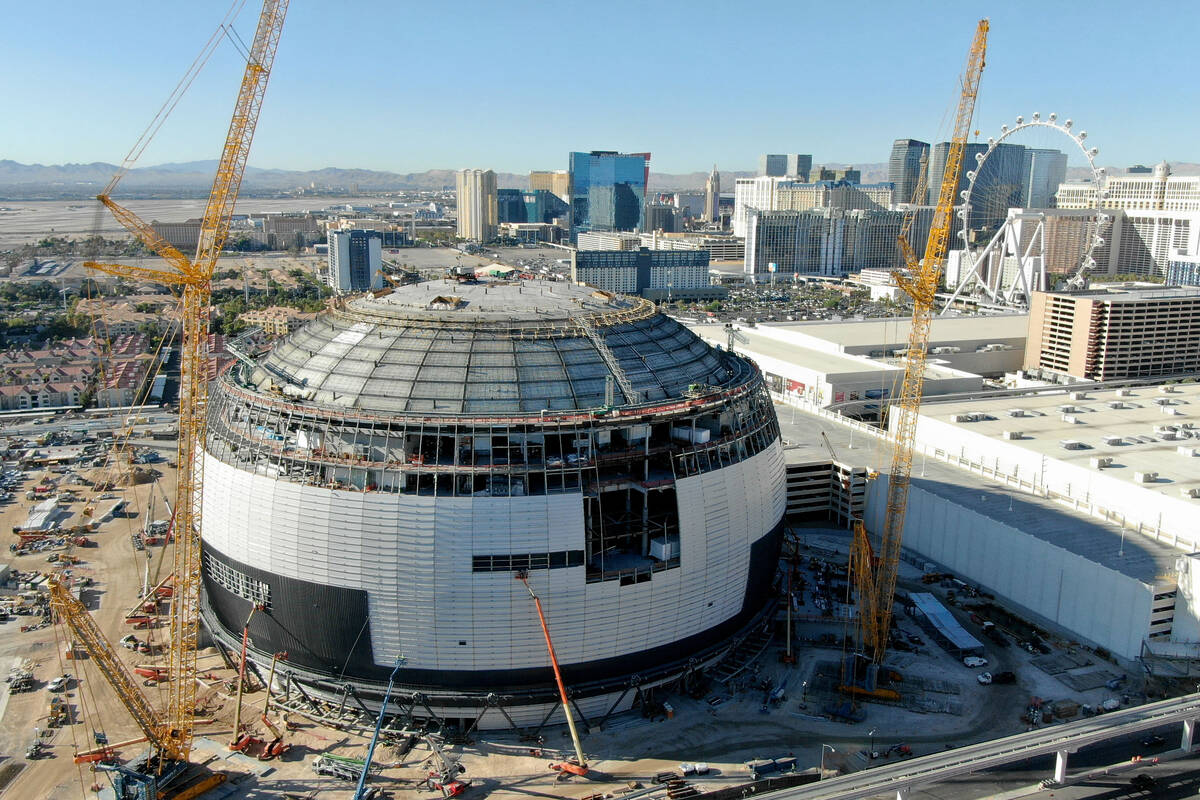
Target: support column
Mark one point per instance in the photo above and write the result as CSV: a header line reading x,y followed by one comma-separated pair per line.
x,y
1189,730
1060,767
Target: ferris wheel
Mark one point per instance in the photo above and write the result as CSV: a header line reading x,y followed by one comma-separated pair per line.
x,y
1007,266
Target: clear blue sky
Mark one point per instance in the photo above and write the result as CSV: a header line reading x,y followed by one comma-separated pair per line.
x,y
398,86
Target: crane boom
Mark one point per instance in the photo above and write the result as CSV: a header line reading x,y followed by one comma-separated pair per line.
x,y
193,403
88,633
232,166
175,728
139,228
910,216
920,282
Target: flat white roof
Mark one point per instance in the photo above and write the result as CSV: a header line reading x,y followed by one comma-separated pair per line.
x,y
941,618
818,360
1139,557
893,331
1134,294
821,361
1142,448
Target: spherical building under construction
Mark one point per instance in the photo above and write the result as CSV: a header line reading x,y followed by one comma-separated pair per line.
x,y
377,480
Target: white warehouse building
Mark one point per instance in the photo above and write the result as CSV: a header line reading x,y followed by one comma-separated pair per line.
x,y
802,370
1044,559
1126,455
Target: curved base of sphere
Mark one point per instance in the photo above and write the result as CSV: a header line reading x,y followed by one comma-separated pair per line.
x,y
325,631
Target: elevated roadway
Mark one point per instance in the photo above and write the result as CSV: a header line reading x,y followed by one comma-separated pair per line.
x,y
1060,740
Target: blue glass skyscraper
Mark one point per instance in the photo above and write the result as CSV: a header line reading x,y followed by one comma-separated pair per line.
x,y
608,191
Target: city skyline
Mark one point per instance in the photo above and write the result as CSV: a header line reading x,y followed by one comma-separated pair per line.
x,y
426,110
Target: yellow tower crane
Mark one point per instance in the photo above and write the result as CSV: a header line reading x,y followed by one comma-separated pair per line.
x,y
171,730
875,568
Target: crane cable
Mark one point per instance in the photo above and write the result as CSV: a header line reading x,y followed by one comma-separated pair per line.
x,y
173,99
91,718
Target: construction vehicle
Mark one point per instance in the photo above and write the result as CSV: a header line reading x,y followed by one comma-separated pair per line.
x,y
444,775
241,686
170,731
340,767
361,791
568,767
276,747
58,713
875,566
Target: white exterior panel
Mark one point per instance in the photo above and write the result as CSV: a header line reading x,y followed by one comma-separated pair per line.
x,y
1086,598
412,554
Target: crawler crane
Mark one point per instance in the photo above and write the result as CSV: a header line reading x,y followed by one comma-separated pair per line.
x,y
170,730
875,567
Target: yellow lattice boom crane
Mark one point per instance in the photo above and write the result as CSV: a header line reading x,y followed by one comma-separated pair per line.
x,y
171,729
875,567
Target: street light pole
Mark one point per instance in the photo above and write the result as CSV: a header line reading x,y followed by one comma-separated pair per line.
x,y
823,757
871,747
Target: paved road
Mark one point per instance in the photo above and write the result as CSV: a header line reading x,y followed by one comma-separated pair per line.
x,y
1000,753
1181,775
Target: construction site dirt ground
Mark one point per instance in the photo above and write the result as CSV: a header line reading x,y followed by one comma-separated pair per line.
x,y
724,728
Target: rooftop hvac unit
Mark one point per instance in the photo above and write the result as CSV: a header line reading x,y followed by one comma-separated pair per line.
x,y
1190,492
1079,396
1145,477
1124,392
1066,409
1101,462
1070,419
1169,436
1167,389
1170,411
1186,450
1112,440
1016,412
961,418
1014,435
1070,444
1116,404
1162,401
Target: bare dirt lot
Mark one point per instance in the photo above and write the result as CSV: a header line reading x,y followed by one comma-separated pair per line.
x,y
734,721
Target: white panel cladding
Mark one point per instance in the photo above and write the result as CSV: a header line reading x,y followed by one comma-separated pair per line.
x,y
423,599
1092,601
413,556
721,514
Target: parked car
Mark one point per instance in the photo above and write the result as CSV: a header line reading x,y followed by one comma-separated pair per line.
x,y
984,678
59,683
975,661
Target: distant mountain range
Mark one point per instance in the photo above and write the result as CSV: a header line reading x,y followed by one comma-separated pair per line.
x,y
65,181
68,181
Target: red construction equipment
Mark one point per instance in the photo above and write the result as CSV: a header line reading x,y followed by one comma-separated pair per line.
x,y
237,716
579,765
